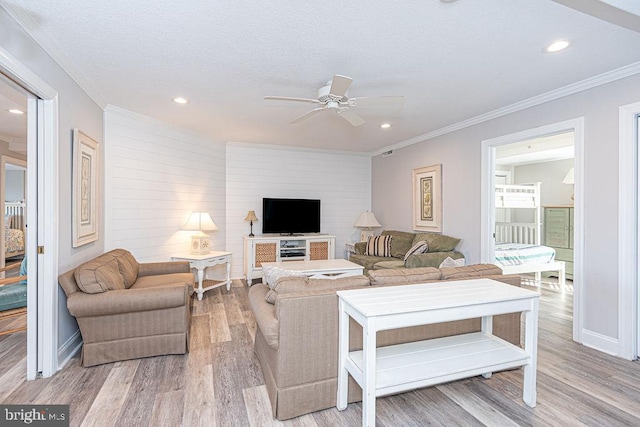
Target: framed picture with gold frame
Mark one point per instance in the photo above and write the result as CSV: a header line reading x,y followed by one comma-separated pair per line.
x,y
84,215
427,198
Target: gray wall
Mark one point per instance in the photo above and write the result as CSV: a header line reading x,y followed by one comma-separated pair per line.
x,y
552,190
75,109
459,154
550,175
14,185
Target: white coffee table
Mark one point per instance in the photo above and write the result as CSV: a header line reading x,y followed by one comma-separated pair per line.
x,y
320,269
396,368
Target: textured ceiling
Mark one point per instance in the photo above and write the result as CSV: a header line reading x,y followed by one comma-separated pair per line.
x,y
451,61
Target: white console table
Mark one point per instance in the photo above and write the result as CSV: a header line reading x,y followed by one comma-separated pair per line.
x,y
403,367
201,262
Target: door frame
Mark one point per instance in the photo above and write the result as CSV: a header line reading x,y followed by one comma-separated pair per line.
x,y
42,179
487,202
628,233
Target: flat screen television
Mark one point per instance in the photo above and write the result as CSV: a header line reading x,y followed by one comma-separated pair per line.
x,y
289,216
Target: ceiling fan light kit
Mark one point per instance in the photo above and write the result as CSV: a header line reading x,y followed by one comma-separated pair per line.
x,y
334,96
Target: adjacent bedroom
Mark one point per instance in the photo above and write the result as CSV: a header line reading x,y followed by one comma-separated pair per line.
x,y
534,210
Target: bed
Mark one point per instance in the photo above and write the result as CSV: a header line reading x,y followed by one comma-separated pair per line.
x,y
14,223
518,246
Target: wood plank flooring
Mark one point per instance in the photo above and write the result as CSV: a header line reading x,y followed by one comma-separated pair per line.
x,y
220,383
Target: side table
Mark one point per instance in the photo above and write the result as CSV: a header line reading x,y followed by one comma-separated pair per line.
x,y
201,262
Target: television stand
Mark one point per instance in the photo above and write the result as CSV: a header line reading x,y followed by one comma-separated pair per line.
x,y
277,248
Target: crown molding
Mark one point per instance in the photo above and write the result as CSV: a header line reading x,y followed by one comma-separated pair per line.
x,y
582,85
31,26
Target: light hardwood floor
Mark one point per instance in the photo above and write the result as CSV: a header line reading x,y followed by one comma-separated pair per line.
x,y
219,383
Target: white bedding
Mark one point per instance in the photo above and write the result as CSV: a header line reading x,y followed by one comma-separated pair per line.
x,y
509,254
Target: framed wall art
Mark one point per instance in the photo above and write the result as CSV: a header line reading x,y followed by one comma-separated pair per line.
x,y
427,198
84,215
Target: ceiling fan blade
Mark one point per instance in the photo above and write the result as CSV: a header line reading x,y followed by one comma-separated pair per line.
x,y
376,101
351,116
306,115
287,98
339,85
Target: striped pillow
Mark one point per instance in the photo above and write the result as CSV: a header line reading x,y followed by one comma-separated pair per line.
x,y
418,248
379,246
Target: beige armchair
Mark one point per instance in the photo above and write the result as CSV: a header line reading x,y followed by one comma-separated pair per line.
x,y
128,310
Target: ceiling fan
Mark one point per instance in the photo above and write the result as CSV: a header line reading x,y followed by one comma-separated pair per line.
x,y
334,97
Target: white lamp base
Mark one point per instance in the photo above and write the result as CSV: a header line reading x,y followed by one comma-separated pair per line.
x,y
365,234
200,244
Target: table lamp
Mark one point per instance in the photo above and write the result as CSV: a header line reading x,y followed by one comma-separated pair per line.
x,y
200,242
366,221
251,216
569,179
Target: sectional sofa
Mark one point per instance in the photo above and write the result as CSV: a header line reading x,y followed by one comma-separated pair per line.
x,y
296,339
439,248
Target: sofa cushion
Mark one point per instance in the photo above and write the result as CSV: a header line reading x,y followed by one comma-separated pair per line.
x,y
128,266
474,270
403,276
430,259
400,243
287,285
418,248
390,264
99,275
368,261
379,246
165,280
437,242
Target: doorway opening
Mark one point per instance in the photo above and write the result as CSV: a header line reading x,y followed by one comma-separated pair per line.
x,y
503,153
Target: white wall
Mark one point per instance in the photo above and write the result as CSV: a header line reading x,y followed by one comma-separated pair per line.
x,y
342,181
459,153
156,175
76,110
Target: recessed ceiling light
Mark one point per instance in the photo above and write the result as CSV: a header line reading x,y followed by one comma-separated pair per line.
x,y
180,100
557,46
385,126
15,111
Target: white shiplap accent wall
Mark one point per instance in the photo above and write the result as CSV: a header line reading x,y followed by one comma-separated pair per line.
x,y
342,181
156,174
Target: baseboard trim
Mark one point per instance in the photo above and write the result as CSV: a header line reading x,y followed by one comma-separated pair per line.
x,y
600,342
69,349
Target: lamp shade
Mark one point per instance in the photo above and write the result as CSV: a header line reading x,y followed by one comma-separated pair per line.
x,y
367,220
569,178
199,221
251,216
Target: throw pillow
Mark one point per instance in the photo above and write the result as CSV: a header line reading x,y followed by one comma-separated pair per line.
x,y
128,266
450,262
418,248
100,275
400,243
379,246
272,274
438,242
